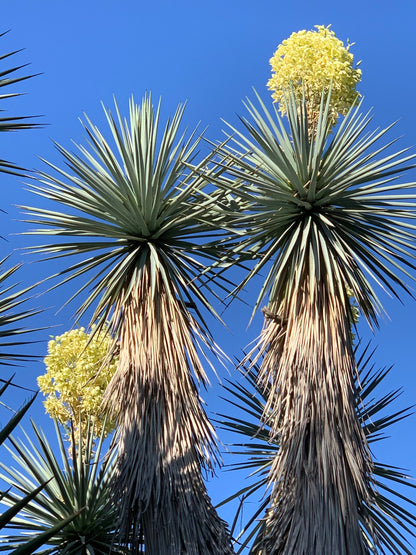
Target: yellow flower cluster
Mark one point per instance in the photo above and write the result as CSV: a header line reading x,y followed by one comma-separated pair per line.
x,y
310,63
76,379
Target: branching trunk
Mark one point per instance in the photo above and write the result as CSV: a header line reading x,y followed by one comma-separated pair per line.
x,y
320,478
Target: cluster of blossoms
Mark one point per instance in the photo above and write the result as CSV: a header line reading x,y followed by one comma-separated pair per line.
x,y
311,63
76,378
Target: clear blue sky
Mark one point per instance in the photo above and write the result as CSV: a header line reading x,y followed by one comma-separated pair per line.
x,y
211,54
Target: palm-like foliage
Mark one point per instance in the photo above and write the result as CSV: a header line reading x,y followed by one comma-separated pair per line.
x,y
11,314
387,507
8,428
74,512
11,298
142,224
9,76
325,217
10,337
11,332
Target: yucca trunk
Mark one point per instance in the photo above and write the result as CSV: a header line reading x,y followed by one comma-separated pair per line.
x,y
320,477
165,437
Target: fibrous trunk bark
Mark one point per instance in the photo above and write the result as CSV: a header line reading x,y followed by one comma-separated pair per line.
x,y
165,439
321,477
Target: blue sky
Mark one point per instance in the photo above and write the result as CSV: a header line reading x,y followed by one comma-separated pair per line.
x,y
211,54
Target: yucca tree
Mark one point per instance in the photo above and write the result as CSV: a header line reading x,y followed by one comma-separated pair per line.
x,y
325,219
12,313
12,298
140,222
74,512
389,509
